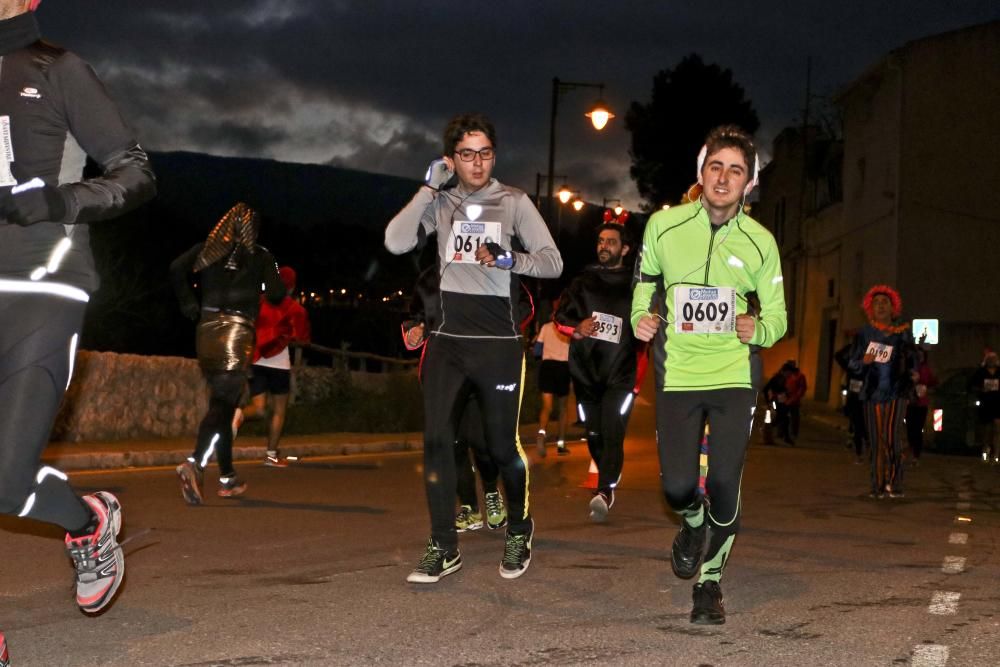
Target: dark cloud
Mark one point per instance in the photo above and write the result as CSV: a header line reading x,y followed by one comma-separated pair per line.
x,y
370,84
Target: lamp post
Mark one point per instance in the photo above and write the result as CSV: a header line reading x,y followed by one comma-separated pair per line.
x,y
538,187
599,116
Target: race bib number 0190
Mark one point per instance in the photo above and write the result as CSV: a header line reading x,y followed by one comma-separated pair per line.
x,y
880,351
467,236
704,310
607,327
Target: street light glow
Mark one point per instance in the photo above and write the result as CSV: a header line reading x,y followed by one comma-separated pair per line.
x,y
618,210
565,193
600,115
577,204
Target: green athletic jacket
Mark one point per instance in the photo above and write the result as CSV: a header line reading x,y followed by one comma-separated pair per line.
x,y
680,247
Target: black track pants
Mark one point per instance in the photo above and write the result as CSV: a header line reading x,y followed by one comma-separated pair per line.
x,y
680,420
493,370
470,436
215,433
38,334
605,413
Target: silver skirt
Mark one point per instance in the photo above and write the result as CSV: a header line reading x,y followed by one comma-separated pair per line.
x,y
224,342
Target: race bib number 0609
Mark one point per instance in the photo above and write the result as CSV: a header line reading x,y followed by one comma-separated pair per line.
x,y
880,351
704,310
607,327
467,236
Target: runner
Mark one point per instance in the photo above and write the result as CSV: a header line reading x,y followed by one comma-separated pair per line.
x,y
883,354
553,384
231,268
708,255
594,310
54,113
485,232
277,328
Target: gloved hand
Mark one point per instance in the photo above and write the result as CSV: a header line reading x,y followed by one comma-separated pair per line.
x,y
502,259
438,174
45,203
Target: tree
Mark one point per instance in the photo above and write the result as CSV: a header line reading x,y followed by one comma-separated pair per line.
x,y
668,131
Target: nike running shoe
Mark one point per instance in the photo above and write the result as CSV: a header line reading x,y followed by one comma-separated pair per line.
x,y
600,504
434,564
99,561
275,460
191,477
466,519
707,608
516,554
496,513
688,548
231,486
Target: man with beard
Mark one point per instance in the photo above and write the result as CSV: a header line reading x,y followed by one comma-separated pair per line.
x,y
594,310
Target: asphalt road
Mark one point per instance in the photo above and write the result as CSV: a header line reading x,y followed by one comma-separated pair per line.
x,y
309,569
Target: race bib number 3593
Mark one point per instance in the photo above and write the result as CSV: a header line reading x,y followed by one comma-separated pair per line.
x,y
467,236
704,310
607,327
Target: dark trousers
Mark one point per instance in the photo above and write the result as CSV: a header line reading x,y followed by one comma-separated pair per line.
x,y
38,334
680,419
493,370
605,416
855,411
470,438
883,420
916,417
215,433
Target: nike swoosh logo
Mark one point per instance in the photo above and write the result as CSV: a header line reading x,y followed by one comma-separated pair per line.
x,y
449,563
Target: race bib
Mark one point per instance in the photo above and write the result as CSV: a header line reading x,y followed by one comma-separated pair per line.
x,y
607,327
854,386
467,236
7,148
706,310
880,351
991,385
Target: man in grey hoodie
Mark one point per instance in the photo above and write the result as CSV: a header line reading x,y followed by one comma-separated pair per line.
x,y
485,231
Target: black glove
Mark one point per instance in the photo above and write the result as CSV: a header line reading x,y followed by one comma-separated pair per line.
x,y
46,203
502,259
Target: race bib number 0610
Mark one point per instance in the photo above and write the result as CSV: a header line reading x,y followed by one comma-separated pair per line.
x,y
704,310
607,327
467,236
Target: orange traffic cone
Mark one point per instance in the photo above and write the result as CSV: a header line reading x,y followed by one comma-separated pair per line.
x,y
591,481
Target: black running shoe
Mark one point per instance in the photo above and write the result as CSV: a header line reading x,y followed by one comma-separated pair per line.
x,y
516,554
688,548
434,564
707,608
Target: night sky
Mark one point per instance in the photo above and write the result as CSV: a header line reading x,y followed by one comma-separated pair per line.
x,y
369,84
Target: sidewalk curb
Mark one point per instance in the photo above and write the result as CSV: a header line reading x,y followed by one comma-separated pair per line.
x,y
170,457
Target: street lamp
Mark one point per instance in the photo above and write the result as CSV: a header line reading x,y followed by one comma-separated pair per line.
x,y
599,116
538,187
617,209
577,204
565,194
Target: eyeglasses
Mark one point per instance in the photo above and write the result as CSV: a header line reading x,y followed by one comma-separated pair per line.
x,y
468,155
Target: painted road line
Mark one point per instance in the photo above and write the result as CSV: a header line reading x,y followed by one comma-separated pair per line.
x,y
929,655
958,538
944,603
953,564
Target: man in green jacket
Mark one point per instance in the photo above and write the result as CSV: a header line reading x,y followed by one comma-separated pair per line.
x,y
708,255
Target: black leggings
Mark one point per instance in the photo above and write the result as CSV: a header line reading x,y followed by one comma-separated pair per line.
x,y
215,433
493,370
605,413
470,435
38,334
680,420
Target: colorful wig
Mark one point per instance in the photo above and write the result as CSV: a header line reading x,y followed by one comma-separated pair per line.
x,y
894,298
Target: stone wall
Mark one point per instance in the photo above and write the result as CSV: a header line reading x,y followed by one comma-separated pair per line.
x,y
120,396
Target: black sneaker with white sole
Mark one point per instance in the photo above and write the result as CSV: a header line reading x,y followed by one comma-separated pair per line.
x,y
516,553
434,564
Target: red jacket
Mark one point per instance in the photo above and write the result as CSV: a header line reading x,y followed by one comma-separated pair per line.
x,y
278,326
